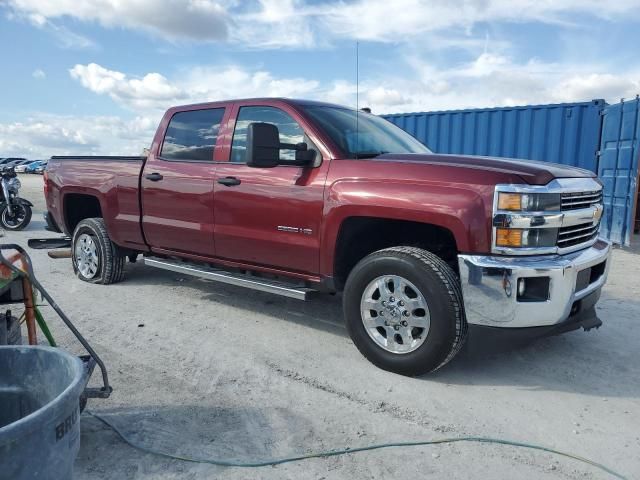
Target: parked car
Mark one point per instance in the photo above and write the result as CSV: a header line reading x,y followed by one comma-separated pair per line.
x,y
16,163
11,160
294,197
40,169
31,167
21,167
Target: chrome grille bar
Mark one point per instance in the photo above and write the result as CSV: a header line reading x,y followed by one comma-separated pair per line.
x,y
573,201
569,236
576,230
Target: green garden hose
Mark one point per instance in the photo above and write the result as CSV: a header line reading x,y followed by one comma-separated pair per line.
x,y
344,451
44,327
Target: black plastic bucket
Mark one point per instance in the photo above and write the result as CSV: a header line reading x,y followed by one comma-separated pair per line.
x,y
39,412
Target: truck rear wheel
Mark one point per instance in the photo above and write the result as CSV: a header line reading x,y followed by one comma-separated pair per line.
x,y
96,259
404,311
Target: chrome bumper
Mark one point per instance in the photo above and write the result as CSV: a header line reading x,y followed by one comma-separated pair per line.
x,y
490,286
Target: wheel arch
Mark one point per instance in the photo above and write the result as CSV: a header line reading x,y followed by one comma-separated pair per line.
x,y
77,206
359,236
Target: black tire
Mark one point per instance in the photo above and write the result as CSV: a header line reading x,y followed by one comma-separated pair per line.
x,y
440,287
7,223
110,268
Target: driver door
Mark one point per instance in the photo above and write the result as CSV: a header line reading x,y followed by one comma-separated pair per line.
x,y
269,216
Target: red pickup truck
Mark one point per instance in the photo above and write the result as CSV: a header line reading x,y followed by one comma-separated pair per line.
x,y
293,197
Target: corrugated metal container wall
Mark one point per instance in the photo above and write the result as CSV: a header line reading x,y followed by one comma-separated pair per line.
x,y
567,133
618,169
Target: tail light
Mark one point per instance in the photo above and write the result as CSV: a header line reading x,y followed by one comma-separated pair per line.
x,y
45,177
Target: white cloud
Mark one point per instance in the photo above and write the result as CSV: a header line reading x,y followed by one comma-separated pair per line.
x,y
394,21
44,135
143,93
303,23
381,96
491,80
173,19
153,91
65,37
488,80
39,74
598,85
276,24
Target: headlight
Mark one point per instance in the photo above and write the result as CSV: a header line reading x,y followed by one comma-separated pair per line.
x,y
529,202
526,238
14,184
559,217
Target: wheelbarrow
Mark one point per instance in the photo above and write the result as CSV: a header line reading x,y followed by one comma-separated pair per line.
x,y
43,390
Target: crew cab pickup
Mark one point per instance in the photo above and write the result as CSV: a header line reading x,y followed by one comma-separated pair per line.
x,y
294,197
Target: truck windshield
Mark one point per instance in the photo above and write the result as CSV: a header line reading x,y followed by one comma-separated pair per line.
x,y
374,135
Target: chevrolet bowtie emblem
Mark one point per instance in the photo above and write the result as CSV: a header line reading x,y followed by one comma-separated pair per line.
x,y
597,213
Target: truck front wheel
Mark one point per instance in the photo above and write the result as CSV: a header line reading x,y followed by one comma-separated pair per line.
x,y
404,310
96,259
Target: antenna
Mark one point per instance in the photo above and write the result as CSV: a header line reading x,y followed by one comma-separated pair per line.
x,y
357,96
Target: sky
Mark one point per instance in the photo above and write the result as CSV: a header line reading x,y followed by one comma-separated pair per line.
x,y
91,77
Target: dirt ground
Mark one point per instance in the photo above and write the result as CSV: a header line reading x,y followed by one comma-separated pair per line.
x,y
217,371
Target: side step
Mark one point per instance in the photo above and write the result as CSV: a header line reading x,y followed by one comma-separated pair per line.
x,y
48,243
238,279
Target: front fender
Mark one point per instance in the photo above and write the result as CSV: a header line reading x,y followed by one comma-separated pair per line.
x,y
24,201
460,209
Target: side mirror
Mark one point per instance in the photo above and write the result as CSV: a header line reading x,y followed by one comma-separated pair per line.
x,y
304,156
263,145
263,148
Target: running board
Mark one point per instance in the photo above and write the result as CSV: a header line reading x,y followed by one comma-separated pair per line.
x,y
238,279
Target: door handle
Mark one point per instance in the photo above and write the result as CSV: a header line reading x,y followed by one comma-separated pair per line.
x,y
229,181
154,177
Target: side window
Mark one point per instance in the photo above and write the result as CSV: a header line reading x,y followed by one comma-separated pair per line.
x,y
192,135
290,131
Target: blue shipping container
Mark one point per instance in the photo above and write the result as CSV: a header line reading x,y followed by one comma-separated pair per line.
x,y
618,168
592,135
567,133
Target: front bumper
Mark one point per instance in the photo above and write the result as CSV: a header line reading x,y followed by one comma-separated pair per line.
x,y
490,286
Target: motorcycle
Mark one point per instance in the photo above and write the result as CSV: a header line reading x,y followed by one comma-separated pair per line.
x,y
15,212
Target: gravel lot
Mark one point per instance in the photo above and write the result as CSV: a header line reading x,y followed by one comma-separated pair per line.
x,y
210,370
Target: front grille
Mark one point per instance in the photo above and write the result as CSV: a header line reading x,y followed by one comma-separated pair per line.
x,y
574,201
576,234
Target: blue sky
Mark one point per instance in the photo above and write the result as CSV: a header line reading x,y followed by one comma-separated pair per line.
x,y
94,76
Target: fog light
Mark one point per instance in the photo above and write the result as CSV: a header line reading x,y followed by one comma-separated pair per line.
x,y
533,289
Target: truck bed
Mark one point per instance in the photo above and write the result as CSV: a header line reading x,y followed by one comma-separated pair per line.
x,y
114,180
100,158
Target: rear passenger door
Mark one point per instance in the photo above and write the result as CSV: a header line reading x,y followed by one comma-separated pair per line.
x,y
177,185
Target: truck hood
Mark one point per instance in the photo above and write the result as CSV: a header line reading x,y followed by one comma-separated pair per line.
x,y
531,171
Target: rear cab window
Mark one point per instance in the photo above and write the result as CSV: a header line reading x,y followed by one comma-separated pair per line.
x,y
191,136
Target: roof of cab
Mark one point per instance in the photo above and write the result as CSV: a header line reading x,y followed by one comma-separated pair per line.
x,y
291,101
